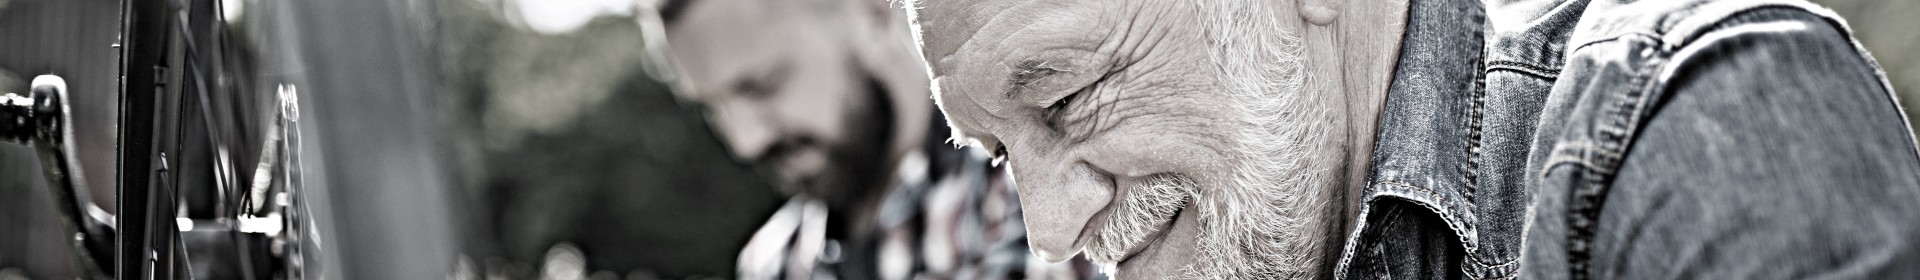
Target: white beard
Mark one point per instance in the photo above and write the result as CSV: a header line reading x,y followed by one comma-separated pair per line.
x,y
1265,214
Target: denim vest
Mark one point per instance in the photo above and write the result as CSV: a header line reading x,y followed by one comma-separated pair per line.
x,y
1636,139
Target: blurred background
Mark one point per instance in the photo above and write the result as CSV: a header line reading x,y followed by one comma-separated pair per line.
x,y
568,141
559,152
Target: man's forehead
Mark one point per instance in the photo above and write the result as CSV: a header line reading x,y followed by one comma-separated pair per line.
x,y
963,83
960,112
945,25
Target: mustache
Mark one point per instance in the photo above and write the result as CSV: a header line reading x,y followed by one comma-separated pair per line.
x,y
1145,210
785,147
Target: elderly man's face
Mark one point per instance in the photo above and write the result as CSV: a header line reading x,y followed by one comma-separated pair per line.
x,y
1161,138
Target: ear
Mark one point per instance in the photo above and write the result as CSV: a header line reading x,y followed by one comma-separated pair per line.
x,y
1320,12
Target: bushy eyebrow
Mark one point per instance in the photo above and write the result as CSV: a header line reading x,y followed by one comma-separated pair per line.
x,y
1028,72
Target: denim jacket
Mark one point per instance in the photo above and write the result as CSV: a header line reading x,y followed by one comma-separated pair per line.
x,y
1621,139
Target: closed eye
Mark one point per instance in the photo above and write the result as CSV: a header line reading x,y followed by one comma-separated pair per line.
x,y
1055,113
763,83
1058,108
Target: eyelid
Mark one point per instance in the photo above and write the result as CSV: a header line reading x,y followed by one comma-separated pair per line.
x,y
1056,108
762,83
1085,88
1043,82
1067,99
1049,99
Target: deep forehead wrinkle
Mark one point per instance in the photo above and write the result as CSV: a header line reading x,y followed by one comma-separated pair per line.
x,y
1009,41
948,25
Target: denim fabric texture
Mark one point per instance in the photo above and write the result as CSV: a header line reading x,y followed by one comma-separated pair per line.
x,y
1628,139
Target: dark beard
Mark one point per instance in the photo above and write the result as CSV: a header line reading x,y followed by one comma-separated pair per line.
x,y
858,178
857,172
857,163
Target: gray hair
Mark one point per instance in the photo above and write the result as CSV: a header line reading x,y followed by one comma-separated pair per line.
x,y
1269,224
1267,218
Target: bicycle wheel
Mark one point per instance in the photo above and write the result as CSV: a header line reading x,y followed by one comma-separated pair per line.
x,y
208,183
194,104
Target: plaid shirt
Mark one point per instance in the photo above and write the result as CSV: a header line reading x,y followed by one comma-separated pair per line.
x,y
950,214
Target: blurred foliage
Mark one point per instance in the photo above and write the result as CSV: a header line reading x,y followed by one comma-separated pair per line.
x,y
562,138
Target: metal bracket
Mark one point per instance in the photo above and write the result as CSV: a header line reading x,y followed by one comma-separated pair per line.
x,y
40,120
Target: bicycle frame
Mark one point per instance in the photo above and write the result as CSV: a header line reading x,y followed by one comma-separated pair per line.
x,y
190,184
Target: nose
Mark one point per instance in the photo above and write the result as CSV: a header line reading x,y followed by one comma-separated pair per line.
x,y
746,132
1059,198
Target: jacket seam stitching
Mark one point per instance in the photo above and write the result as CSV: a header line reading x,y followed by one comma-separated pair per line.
x,y
1475,113
1616,132
1472,251
1523,68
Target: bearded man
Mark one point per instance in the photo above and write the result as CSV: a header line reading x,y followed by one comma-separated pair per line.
x,y
1260,139
828,97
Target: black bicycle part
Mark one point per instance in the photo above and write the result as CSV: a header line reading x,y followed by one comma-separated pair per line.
x,y
41,119
172,72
